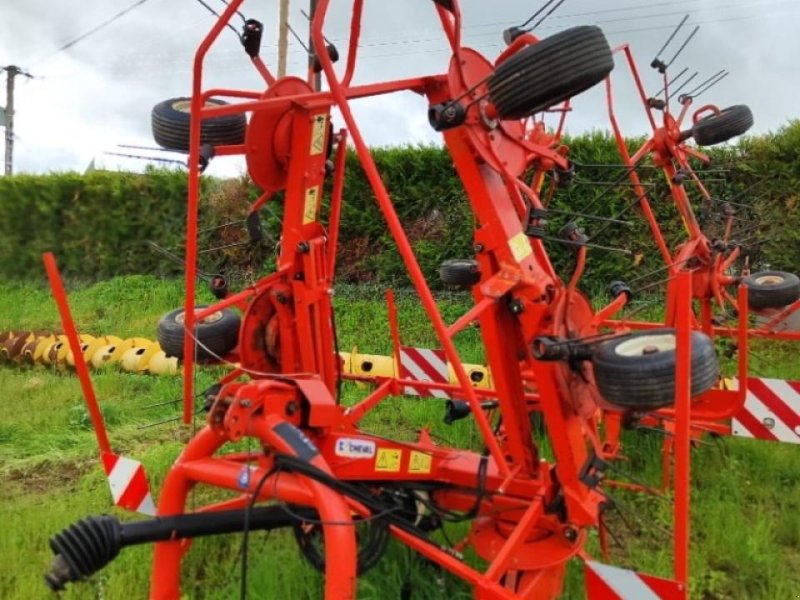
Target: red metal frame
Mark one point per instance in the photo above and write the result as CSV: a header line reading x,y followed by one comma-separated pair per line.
x,y
710,268
289,405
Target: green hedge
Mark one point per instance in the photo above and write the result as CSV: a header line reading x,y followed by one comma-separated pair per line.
x,y
97,223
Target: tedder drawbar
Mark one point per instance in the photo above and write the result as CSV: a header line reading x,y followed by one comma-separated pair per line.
x,y
347,491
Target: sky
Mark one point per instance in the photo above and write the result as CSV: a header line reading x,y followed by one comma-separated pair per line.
x,y
85,101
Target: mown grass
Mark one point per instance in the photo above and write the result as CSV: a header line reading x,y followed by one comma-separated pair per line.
x,y
746,495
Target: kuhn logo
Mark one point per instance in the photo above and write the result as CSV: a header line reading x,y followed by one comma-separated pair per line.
x,y
355,448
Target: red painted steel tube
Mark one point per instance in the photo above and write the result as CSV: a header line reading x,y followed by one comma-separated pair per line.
x,y
683,378
489,589
431,385
638,189
601,316
413,84
357,412
223,304
263,70
75,345
522,529
197,114
684,110
403,245
394,329
731,332
355,34
743,344
338,529
683,203
786,312
165,574
239,297
626,50
225,474
231,93
562,120
337,194
471,315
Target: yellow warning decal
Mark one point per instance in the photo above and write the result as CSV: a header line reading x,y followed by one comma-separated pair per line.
x,y
312,202
520,246
318,134
388,460
419,463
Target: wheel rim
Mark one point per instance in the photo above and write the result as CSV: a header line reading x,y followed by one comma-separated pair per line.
x,y
212,318
769,280
185,106
646,344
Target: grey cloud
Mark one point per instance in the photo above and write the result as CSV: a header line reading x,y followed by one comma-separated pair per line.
x,y
100,92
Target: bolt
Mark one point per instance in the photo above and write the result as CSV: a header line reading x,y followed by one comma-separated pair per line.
x,y
303,247
478,248
281,298
570,533
299,276
769,422
244,403
517,307
291,408
650,350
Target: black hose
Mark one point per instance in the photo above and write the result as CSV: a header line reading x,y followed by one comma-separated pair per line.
x,y
87,546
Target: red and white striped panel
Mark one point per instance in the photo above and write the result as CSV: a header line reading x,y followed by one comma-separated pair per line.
x,y
128,483
604,582
423,364
771,411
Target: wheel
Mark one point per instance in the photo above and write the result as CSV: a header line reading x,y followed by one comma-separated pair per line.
x,y
772,289
460,272
637,371
170,123
558,67
217,334
730,122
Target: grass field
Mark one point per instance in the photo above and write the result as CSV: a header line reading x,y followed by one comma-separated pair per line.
x,y
746,495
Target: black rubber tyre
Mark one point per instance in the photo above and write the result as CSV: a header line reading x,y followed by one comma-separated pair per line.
x,y
558,67
637,371
772,289
170,123
460,272
219,333
730,122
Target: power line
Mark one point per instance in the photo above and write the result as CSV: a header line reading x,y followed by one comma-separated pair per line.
x,y
420,40
92,31
158,58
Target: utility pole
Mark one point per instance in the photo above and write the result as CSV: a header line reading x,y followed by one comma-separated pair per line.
x,y
283,37
317,76
11,74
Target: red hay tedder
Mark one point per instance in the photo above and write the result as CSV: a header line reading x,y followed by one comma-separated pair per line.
x,y
315,468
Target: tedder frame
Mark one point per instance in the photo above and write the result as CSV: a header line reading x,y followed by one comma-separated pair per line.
x,y
313,462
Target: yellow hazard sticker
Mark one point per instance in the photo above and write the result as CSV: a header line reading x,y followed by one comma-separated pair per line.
x,y
520,246
318,132
388,460
312,202
419,463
